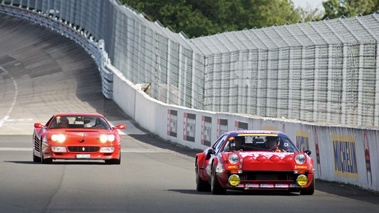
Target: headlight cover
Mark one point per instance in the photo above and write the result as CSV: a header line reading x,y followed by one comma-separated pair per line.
x,y
58,149
300,158
58,138
233,158
107,149
104,138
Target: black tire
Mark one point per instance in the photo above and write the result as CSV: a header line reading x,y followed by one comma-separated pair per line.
x,y
310,190
216,188
201,185
43,160
36,159
47,160
114,161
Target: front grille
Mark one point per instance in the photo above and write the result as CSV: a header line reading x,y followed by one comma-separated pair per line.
x,y
83,148
268,176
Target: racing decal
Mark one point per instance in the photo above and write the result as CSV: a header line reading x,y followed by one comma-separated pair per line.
x,y
292,185
172,122
189,127
318,161
222,126
206,130
302,140
345,159
367,158
279,185
252,185
266,185
241,125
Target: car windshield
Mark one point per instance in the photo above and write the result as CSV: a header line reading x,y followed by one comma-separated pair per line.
x,y
263,142
88,122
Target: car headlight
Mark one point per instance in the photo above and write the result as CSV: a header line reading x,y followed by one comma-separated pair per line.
x,y
104,138
58,138
58,149
233,158
300,158
107,149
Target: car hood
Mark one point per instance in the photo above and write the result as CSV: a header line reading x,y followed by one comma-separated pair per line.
x,y
268,161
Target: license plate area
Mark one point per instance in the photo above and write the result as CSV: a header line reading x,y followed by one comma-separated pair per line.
x,y
83,156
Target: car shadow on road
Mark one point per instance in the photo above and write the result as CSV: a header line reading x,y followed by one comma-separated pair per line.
x,y
237,192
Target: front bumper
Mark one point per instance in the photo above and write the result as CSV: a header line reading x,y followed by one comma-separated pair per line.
x,y
82,153
287,180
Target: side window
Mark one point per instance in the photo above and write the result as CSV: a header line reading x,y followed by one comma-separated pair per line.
x,y
217,146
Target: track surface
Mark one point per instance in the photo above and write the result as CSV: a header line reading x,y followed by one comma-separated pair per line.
x,y
42,73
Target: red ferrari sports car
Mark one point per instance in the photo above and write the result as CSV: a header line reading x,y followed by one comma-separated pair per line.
x,y
81,136
254,160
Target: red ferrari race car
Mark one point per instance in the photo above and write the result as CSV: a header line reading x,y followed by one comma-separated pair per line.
x,y
254,160
80,136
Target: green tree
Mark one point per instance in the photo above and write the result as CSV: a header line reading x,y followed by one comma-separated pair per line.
x,y
205,17
349,8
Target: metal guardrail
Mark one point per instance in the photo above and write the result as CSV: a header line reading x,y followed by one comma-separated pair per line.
x,y
324,71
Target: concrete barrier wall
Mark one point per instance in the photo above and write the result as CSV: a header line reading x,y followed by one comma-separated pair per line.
x,y
342,154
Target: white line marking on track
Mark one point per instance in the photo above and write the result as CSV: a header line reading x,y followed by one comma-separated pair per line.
x,y
14,97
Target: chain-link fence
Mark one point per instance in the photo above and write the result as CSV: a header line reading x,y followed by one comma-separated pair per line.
x,y
322,71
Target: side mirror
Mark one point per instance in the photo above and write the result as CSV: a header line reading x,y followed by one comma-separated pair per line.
x,y
209,153
120,126
308,152
39,125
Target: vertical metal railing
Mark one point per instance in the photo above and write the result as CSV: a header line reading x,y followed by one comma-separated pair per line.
x,y
324,71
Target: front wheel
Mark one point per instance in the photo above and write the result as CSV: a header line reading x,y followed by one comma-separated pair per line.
x,y
36,159
201,185
114,161
45,161
310,190
216,187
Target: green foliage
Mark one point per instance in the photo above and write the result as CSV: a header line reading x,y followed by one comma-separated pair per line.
x,y
205,17
349,8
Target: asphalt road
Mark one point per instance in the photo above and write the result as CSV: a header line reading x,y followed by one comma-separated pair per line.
x,y
42,73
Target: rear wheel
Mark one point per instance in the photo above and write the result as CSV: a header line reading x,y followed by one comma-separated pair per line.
x,y
216,188
201,185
